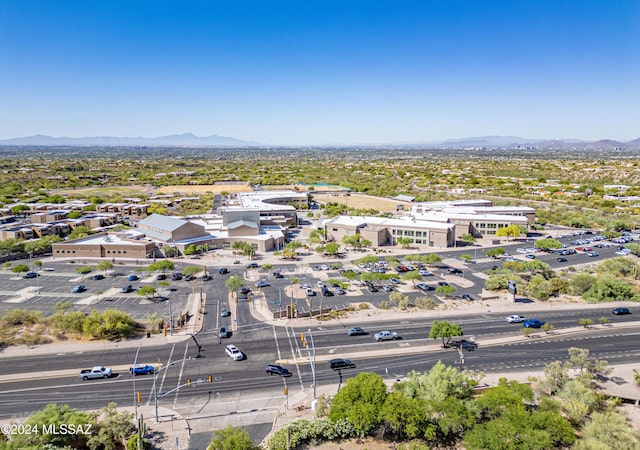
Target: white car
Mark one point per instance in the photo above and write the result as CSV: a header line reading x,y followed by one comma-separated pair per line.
x,y
516,319
425,273
320,284
310,292
325,267
234,352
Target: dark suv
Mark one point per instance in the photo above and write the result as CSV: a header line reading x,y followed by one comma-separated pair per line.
x,y
464,345
273,369
176,276
340,363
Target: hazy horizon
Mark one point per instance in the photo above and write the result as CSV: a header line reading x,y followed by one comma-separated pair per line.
x,y
320,73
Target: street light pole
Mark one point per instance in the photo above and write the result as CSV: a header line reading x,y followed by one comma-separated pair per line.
x,y
312,357
155,376
133,375
170,318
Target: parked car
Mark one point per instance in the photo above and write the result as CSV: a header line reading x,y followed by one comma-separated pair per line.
x,y
274,369
454,270
425,273
530,256
33,275
252,265
261,284
224,312
245,290
320,284
372,289
592,254
126,289
132,278
467,297
533,323
387,288
161,276
223,271
234,352
443,283
310,292
341,363
516,319
356,331
176,276
223,333
562,259
77,289
394,281
278,275
339,291
142,369
621,311
326,292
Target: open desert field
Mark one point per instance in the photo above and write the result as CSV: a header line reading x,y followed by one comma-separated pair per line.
x,y
187,189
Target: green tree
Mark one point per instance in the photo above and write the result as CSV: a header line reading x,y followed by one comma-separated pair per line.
x,y
548,244
331,248
445,290
110,324
51,417
405,417
20,268
80,232
511,231
445,330
412,276
190,250
232,438
608,289
404,242
581,283
84,270
495,252
440,382
608,429
234,283
360,401
539,288
113,430
164,265
104,266
192,270
147,291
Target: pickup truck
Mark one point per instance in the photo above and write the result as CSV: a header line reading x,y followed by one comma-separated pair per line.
x,y
386,336
95,372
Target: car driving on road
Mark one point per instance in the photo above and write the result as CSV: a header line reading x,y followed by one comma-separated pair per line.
x,y
356,331
621,311
142,369
233,352
516,319
274,369
341,363
533,323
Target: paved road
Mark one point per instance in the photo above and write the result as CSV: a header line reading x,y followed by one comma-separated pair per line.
x,y
263,344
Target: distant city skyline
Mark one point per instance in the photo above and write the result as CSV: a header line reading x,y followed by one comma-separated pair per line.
x,y
321,73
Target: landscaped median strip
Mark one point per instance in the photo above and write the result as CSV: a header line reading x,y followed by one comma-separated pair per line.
x,y
403,350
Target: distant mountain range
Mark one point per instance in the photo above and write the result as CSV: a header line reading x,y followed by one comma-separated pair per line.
x,y
174,140
191,140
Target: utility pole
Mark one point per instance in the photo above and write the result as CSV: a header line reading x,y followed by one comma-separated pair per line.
x,y
312,360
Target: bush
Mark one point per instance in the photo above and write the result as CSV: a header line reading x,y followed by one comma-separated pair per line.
x,y
302,432
363,306
18,316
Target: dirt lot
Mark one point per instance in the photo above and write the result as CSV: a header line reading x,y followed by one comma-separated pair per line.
x,y
362,201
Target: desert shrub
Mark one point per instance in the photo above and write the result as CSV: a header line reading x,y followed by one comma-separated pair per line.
x,y
19,316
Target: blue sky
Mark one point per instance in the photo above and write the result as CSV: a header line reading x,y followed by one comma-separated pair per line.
x,y
317,72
